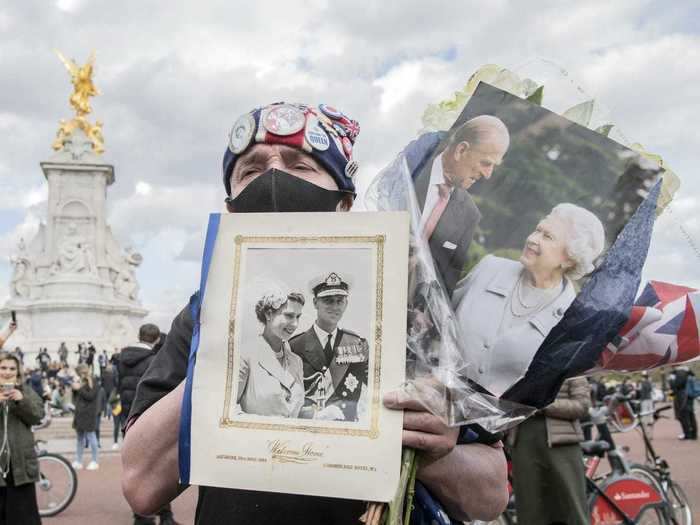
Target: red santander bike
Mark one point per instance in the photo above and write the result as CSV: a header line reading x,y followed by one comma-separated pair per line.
x,y
621,497
630,494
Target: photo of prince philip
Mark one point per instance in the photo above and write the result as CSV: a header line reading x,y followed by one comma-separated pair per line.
x,y
444,165
335,360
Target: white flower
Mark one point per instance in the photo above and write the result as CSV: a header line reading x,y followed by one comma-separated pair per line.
x,y
441,116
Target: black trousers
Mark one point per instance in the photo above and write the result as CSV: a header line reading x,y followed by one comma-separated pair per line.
x,y
688,422
18,503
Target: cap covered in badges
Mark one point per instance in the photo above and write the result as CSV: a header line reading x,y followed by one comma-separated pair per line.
x,y
323,132
329,284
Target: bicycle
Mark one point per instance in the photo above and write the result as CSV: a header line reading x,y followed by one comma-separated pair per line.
x,y
58,482
657,471
624,496
620,497
608,497
631,493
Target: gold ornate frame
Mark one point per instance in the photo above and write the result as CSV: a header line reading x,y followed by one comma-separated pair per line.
x,y
372,432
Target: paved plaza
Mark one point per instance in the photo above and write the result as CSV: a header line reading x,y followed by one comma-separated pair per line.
x,y
99,498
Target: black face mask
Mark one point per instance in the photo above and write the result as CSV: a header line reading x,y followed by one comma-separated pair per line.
x,y
278,191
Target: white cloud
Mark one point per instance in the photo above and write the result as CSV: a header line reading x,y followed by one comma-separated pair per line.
x,y
192,248
15,195
427,77
69,5
152,209
173,84
143,188
35,196
26,230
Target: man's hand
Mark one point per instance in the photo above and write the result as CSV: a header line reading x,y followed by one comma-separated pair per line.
x,y
421,429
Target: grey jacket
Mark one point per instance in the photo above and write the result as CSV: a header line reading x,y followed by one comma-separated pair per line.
x,y
21,416
500,358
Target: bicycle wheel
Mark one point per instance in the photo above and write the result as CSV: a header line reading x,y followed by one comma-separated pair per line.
x,y
637,495
679,504
57,484
647,474
674,495
653,517
603,513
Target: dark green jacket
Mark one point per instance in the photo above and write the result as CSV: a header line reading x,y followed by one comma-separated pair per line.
x,y
22,415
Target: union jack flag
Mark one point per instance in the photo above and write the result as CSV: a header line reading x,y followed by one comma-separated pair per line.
x,y
352,128
662,329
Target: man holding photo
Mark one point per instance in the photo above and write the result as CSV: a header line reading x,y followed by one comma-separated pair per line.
x,y
335,359
286,158
444,166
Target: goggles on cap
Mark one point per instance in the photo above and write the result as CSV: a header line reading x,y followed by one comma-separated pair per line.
x,y
323,132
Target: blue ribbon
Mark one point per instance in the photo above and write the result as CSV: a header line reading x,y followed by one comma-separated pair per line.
x,y
195,309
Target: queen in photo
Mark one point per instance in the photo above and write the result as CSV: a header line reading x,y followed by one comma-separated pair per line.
x,y
506,308
270,375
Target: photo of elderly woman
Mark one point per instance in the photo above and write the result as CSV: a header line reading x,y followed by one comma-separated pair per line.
x,y
560,197
270,376
505,308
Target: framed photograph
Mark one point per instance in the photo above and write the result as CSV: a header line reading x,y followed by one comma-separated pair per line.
x,y
302,323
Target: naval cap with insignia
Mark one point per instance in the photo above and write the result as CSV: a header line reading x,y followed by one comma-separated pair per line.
x,y
323,132
329,284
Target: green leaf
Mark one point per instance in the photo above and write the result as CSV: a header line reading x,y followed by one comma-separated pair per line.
x,y
605,129
580,113
536,96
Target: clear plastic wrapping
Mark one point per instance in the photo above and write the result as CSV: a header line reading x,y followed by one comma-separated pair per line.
x,y
475,359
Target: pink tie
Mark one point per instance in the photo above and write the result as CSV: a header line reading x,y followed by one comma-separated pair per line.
x,y
443,199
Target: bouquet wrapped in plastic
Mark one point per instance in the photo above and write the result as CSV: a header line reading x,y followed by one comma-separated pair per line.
x,y
529,231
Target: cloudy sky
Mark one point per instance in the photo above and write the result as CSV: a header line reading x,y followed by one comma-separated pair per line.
x,y
174,79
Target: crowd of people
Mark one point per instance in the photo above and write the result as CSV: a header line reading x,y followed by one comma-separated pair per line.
x,y
671,387
79,387
88,394
60,381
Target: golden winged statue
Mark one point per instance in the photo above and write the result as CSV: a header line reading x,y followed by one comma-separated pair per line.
x,y
83,89
81,77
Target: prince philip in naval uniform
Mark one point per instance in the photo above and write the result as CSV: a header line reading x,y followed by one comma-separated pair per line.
x,y
335,359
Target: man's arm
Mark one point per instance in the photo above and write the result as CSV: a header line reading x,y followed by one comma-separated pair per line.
x,y
469,480
150,455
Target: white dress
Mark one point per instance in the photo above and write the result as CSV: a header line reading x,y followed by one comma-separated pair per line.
x,y
266,386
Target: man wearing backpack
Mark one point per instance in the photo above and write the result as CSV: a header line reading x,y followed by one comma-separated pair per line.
x,y
682,381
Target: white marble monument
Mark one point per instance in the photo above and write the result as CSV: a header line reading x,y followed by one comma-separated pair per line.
x,y
73,282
